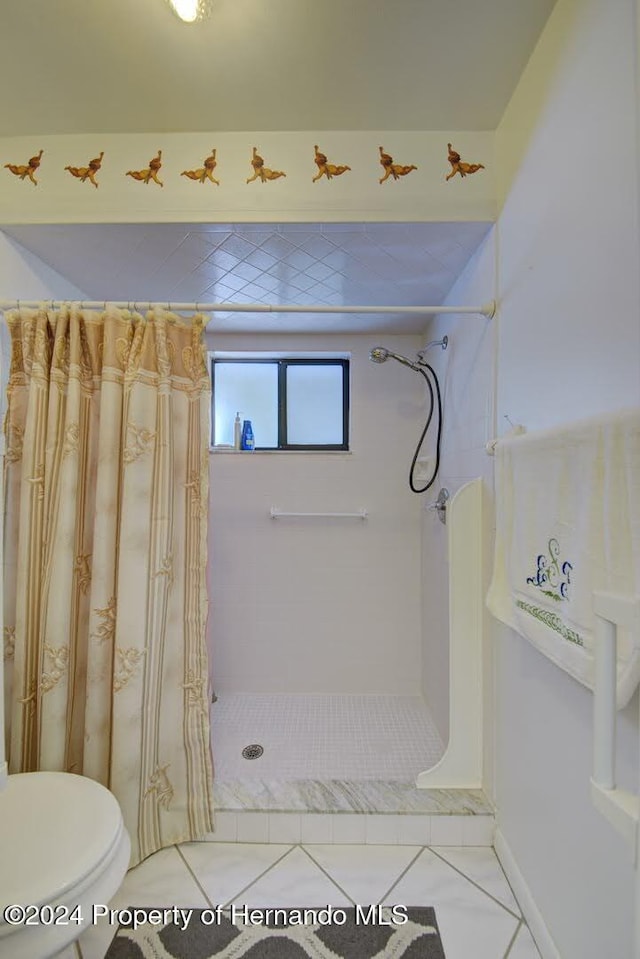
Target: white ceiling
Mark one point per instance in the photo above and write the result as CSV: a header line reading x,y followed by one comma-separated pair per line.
x,y
84,66
400,264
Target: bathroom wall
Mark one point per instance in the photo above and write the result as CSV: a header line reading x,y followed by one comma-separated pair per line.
x,y
568,346
466,373
322,606
356,196
25,275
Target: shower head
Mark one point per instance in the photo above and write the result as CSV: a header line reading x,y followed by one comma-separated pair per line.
x,y
379,354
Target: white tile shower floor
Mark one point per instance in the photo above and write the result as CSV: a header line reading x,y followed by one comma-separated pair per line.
x,y
315,736
476,911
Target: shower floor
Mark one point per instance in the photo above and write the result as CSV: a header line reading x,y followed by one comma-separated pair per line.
x,y
323,737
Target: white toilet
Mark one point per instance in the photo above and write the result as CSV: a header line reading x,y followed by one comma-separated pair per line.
x,y
62,844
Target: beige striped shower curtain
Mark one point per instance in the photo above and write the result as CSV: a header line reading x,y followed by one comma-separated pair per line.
x,y
106,488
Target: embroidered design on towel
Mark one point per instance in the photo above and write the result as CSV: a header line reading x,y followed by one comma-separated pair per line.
x,y
553,621
552,577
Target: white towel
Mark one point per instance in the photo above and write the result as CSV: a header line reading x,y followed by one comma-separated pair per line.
x,y
568,523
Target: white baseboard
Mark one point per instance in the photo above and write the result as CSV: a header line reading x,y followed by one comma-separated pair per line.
x,y
532,915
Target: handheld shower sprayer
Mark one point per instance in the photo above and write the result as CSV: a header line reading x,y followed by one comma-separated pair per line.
x,y
380,354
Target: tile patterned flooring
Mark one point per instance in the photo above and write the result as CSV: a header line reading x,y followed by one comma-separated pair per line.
x,y
477,913
288,831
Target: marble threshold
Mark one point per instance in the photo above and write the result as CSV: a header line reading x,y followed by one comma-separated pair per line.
x,y
368,796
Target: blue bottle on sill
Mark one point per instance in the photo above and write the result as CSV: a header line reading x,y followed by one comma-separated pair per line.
x,y
247,441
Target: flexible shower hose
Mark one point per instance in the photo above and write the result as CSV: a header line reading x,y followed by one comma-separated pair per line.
x,y
431,481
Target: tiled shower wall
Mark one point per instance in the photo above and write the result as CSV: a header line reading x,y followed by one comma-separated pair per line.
x,y
311,605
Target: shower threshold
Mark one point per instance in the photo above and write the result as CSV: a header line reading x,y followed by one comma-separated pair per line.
x,y
346,796
335,768
374,812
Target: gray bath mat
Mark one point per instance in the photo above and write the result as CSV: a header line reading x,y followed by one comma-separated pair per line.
x,y
364,932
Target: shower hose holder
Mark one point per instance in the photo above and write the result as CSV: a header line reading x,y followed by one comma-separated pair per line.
x,y
440,505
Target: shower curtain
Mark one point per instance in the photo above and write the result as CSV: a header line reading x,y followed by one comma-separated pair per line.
x,y
106,489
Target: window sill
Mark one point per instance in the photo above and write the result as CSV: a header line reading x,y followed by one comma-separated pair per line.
x,y
224,451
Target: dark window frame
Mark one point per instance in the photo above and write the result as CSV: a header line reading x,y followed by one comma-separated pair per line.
x,y
282,364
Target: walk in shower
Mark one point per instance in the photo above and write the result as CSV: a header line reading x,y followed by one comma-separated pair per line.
x,y
326,632
316,627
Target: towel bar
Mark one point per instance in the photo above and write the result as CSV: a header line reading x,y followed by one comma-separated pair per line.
x,y
517,429
362,514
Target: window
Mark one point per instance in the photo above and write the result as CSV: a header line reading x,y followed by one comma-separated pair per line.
x,y
294,403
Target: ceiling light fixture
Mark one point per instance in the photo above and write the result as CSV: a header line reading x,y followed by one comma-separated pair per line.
x,y
191,10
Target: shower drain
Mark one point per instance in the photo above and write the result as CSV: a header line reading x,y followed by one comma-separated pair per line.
x,y
254,751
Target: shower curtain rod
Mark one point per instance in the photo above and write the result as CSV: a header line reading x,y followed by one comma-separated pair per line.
x,y
487,310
